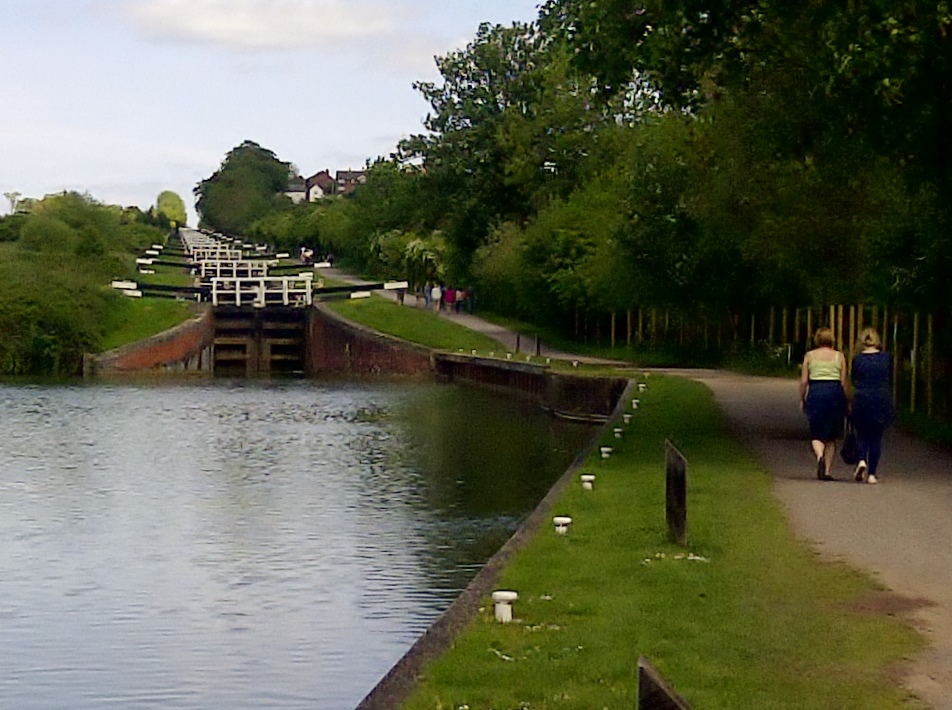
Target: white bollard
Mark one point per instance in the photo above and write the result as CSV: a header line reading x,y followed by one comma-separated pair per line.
x,y
642,386
606,451
618,432
502,601
562,523
627,418
588,481
635,403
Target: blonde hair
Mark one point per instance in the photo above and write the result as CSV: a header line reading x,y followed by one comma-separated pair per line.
x,y
869,338
823,338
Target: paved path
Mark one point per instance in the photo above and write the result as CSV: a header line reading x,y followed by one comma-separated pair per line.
x,y
900,530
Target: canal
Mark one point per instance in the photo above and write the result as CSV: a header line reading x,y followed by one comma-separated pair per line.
x,y
247,544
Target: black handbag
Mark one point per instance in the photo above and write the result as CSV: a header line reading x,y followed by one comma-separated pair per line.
x,y
849,451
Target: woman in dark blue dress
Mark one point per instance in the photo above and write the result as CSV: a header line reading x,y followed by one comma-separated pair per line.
x,y
872,409
823,399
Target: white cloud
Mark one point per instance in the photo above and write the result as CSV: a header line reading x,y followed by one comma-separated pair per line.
x,y
262,24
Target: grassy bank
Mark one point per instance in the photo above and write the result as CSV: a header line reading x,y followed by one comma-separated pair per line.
x,y
416,325
757,622
134,319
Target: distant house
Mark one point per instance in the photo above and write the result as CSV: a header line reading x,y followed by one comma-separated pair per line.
x,y
347,180
297,190
319,185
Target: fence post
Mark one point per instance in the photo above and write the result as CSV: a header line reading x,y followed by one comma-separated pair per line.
x,y
654,693
915,362
676,493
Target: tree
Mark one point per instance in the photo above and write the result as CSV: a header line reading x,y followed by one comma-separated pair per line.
x,y
172,207
249,184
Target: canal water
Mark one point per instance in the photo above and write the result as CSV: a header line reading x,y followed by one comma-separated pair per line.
x,y
247,545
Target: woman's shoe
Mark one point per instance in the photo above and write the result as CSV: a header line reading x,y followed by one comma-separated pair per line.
x,y
821,473
871,479
860,474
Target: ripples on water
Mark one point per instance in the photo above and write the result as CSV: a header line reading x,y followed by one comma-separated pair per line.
x,y
245,545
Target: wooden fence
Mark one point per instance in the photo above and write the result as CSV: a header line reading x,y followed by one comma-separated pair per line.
x,y
919,341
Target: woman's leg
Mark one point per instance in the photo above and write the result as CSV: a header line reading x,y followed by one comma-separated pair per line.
x,y
818,448
829,450
874,442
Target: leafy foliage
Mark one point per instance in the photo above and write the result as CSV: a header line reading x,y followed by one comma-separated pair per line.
x,y
54,298
249,184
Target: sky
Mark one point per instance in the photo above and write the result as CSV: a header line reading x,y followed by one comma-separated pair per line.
x,y
126,98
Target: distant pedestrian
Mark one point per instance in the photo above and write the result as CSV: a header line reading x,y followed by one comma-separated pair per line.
x,y
436,298
449,298
823,399
427,295
872,406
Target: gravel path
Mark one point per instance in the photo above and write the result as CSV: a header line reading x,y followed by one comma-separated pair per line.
x,y
899,530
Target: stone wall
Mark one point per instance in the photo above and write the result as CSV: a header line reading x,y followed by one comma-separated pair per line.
x,y
185,348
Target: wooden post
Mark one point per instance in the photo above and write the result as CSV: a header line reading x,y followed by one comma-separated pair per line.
x,y
641,324
809,326
853,331
784,317
654,693
676,493
753,330
929,370
772,327
839,327
896,358
874,320
885,327
914,362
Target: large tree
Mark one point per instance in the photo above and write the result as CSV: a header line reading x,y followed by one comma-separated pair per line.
x,y
170,206
249,184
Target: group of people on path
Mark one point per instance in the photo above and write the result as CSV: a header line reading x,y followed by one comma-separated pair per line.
x,y
448,299
832,394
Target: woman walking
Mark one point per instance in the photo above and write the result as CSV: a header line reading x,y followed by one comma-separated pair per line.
x,y
823,399
872,409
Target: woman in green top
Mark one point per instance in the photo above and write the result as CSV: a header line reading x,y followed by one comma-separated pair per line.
x,y
823,399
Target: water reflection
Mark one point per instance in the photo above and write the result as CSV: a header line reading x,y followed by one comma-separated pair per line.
x,y
246,545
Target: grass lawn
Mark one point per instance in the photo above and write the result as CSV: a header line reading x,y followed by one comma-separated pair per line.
x,y
415,325
137,318
758,622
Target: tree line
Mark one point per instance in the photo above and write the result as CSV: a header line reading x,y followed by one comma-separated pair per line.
x,y
57,257
713,159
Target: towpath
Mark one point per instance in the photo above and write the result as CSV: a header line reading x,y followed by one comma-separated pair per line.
x,y
900,530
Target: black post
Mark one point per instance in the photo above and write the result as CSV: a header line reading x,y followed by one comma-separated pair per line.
x,y
676,493
653,692
518,341
538,346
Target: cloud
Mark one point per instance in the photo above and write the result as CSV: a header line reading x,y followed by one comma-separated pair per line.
x,y
262,24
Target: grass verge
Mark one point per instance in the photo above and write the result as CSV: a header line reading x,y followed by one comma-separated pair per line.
x,y
413,324
758,622
133,319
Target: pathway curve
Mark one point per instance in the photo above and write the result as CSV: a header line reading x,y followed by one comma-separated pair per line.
x,y
900,530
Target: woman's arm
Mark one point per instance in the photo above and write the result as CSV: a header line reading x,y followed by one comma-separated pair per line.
x,y
804,378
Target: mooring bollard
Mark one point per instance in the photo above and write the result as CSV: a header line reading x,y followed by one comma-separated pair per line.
x,y
627,418
618,432
502,601
642,386
562,523
588,481
606,451
635,403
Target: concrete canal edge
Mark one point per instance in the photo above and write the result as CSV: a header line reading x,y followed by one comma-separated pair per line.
x,y
395,687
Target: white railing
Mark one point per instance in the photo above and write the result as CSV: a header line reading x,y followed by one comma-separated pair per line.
x,y
264,291
215,253
215,269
